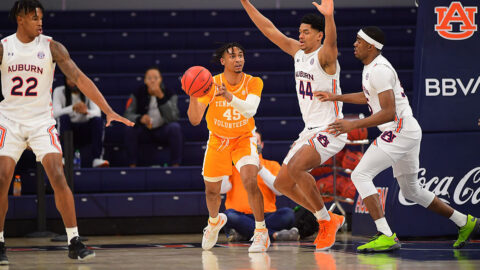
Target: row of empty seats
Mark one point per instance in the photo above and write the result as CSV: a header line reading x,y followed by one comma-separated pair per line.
x,y
145,204
188,39
213,18
181,60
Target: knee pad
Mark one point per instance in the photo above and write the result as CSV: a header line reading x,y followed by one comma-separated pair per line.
x,y
411,190
363,183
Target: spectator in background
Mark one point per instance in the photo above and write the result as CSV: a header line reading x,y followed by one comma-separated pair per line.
x,y
154,110
241,224
76,112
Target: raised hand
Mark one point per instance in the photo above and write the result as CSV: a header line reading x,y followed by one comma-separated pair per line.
x,y
326,8
324,96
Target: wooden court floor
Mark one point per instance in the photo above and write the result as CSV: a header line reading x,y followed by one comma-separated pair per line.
x,y
184,252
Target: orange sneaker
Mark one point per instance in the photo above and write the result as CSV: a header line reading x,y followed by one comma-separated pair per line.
x,y
327,231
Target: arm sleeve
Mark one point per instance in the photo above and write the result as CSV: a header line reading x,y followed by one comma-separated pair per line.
x,y
226,185
268,178
58,102
247,107
93,110
382,78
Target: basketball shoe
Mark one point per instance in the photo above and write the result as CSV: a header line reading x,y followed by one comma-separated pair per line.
x,y
464,233
327,231
3,254
77,250
261,241
380,243
210,233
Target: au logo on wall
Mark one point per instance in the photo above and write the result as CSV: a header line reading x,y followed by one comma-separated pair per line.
x,y
456,13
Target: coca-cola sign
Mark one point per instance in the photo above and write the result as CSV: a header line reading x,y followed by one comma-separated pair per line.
x,y
466,191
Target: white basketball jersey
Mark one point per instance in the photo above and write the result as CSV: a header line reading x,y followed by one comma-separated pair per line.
x,y
27,77
381,73
310,77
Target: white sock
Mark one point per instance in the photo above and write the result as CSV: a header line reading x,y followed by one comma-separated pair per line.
x,y
459,218
1,237
259,225
322,214
71,233
382,226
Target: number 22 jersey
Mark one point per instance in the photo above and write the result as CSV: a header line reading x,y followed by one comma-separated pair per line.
x,y
27,76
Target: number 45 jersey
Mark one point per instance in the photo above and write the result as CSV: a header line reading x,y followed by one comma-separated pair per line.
x,y
222,118
310,77
27,76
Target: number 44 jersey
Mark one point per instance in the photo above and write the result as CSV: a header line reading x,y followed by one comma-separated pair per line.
x,y
27,76
310,77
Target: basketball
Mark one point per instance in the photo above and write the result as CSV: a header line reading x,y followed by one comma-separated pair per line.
x,y
197,81
357,134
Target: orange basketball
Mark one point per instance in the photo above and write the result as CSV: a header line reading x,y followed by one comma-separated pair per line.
x,y
358,134
197,81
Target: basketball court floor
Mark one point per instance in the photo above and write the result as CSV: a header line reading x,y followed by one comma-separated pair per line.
x,y
184,252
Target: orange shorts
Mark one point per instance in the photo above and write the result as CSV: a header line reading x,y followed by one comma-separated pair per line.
x,y
222,153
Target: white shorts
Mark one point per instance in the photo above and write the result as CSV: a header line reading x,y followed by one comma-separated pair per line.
x,y
16,137
325,143
402,146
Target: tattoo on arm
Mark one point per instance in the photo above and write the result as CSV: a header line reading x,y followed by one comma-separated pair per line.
x,y
62,58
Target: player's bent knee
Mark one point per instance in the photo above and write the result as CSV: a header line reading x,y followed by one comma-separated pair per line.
x,y
363,183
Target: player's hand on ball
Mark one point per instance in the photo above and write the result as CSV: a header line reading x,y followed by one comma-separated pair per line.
x,y
324,96
222,91
340,126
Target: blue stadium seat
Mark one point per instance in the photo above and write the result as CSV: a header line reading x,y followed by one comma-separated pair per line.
x,y
179,61
202,39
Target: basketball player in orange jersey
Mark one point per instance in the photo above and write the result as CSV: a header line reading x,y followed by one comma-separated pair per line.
x,y
316,68
232,102
27,64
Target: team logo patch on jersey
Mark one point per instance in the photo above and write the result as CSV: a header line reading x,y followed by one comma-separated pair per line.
x,y
312,61
456,13
388,136
323,140
41,55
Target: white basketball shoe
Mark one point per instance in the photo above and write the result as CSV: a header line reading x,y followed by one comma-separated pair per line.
x,y
261,241
210,233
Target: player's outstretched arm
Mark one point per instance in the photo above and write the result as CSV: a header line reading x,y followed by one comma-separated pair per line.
x,y
195,111
354,98
385,115
288,45
70,69
329,52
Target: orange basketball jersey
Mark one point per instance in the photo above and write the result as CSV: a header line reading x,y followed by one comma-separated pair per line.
x,y
222,118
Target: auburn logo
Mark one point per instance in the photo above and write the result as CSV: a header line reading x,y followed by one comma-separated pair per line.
x,y
456,13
